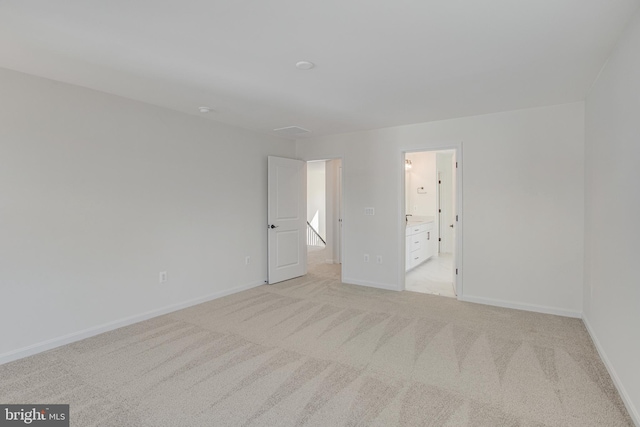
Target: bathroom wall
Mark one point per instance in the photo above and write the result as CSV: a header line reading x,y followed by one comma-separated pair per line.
x,y
421,175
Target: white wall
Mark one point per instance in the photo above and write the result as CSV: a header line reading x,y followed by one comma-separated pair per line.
x,y
422,174
316,197
98,194
523,190
612,227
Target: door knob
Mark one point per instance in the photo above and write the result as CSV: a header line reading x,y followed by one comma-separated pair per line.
x,y
272,226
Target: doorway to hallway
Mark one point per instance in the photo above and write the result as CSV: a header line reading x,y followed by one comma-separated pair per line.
x,y
324,218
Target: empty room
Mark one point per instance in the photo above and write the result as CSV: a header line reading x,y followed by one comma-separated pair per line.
x,y
319,213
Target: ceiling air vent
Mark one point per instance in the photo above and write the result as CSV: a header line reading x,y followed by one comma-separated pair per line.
x,y
291,130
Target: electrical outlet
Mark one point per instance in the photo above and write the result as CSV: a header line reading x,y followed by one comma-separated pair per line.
x,y
369,211
163,276
247,260
366,257
379,259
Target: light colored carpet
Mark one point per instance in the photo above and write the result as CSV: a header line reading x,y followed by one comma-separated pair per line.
x,y
312,351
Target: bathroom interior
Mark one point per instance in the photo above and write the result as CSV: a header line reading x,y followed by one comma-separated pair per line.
x,y
430,222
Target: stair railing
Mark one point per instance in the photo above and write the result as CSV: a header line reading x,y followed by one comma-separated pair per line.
x,y
313,237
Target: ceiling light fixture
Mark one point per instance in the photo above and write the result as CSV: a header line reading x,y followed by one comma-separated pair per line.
x,y
204,110
305,65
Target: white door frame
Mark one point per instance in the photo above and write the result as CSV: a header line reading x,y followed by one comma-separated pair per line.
x,y
340,213
402,225
342,239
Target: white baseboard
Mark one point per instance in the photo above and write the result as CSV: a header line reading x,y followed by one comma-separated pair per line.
x,y
89,332
377,285
328,261
633,411
521,306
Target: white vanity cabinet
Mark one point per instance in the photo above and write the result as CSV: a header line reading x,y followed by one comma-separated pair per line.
x,y
420,244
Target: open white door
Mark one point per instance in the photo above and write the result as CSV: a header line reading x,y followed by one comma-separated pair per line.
x,y
446,195
287,218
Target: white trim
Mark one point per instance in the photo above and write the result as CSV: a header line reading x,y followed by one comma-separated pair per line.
x,y
633,411
386,286
110,326
520,306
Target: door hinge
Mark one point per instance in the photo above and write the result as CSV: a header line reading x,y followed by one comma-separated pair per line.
x,y
439,210
439,239
456,218
456,165
456,271
439,182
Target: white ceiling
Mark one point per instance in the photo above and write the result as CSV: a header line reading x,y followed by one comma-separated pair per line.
x,y
379,62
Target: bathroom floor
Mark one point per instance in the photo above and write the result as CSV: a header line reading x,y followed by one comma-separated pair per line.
x,y
434,276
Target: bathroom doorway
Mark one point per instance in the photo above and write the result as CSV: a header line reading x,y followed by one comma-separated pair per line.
x,y
431,222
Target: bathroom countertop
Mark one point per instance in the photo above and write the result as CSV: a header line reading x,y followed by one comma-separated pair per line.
x,y
417,220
